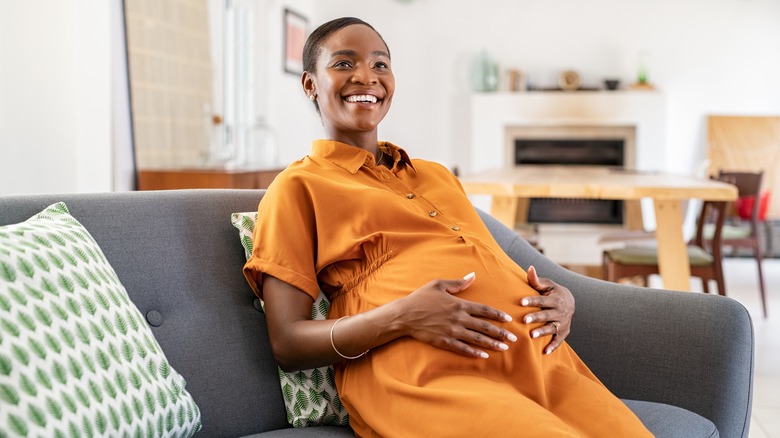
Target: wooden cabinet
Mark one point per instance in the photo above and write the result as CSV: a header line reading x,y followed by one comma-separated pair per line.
x,y
167,179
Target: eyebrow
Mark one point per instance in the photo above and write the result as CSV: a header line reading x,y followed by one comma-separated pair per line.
x,y
347,52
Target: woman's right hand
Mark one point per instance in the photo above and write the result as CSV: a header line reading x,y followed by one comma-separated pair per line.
x,y
436,316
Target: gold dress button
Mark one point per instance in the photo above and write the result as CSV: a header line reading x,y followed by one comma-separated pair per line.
x,y
410,196
432,213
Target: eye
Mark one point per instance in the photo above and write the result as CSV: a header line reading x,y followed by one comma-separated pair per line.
x,y
342,64
381,64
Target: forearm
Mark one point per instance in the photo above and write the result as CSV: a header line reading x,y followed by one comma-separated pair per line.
x,y
301,343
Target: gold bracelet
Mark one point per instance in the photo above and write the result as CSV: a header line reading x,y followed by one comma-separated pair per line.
x,y
334,345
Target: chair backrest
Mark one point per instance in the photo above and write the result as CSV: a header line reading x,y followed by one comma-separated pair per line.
x,y
713,212
748,186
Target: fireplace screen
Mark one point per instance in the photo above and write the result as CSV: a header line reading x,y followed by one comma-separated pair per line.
x,y
591,152
570,152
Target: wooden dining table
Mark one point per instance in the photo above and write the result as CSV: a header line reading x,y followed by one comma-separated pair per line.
x,y
509,187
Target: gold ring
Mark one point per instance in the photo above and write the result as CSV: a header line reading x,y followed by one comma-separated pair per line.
x,y
555,324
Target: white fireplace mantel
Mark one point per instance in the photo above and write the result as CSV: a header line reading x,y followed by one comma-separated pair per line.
x,y
493,113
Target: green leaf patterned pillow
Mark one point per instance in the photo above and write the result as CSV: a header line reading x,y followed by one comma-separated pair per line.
x,y
310,396
76,356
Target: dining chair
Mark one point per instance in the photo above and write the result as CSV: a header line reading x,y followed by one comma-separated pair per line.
x,y
741,230
642,260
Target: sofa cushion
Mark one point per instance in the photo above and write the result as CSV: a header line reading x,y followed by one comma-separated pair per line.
x,y
76,356
669,421
310,396
664,421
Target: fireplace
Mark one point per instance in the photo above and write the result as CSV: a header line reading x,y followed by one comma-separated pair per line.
x,y
607,146
496,120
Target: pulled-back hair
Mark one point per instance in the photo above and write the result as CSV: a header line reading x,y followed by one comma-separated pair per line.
x,y
311,50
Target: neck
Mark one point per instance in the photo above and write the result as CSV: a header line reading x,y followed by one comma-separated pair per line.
x,y
364,140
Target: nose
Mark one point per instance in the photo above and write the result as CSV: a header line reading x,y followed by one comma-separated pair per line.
x,y
364,75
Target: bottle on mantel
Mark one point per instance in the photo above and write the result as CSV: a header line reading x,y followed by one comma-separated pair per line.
x,y
484,72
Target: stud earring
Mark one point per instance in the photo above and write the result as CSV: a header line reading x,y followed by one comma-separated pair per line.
x,y
312,97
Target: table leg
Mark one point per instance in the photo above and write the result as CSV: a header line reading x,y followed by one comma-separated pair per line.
x,y
504,209
673,263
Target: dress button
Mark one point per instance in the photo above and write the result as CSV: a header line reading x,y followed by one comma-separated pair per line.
x,y
410,196
432,213
456,228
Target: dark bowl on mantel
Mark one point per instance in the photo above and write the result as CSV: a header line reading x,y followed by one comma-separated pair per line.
x,y
612,84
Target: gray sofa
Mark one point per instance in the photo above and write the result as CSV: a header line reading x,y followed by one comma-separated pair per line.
x,y
682,361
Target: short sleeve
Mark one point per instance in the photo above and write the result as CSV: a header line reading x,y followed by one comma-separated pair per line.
x,y
285,238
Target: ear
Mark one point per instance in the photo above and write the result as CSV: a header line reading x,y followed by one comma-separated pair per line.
x,y
307,81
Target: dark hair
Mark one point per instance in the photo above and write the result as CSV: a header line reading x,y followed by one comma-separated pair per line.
x,y
311,50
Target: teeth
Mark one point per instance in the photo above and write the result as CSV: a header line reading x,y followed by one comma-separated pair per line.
x,y
362,98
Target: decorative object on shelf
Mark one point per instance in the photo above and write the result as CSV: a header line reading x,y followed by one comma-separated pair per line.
x,y
484,72
612,84
219,151
295,34
516,80
643,77
569,80
262,152
642,73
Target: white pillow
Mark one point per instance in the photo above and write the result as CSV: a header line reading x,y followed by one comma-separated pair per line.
x,y
310,396
76,356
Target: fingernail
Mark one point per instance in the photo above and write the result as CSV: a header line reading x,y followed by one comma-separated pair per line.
x,y
507,318
548,351
524,302
503,346
483,355
529,320
469,276
534,335
512,337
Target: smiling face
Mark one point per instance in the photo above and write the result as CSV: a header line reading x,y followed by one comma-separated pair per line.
x,y
353,84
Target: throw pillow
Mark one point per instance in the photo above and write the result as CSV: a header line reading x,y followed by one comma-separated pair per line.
x,y
76,356
310,396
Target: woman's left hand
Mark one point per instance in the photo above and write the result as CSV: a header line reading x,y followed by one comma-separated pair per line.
x,y
557,308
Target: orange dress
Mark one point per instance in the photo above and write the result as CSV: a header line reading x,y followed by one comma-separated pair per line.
x,y
367,235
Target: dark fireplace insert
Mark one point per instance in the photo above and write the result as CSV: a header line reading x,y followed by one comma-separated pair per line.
x,y
571,152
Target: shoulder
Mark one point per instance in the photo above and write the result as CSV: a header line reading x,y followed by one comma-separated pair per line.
x,y
299,173
291,184
307,181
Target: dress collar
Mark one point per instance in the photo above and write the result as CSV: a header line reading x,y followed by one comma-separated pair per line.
x,y
352,158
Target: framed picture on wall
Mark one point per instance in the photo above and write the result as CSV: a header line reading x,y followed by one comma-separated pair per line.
x,y
294,28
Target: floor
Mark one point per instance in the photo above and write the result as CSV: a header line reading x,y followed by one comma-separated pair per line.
x,y
741,277
580,246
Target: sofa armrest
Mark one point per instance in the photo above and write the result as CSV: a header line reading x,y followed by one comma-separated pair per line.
x,y
690,350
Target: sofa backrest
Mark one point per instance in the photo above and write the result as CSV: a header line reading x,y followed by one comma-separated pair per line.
x,y
180,260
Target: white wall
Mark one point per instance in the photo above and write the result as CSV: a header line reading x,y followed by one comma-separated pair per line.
x,y
289,113
706,57
55,108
